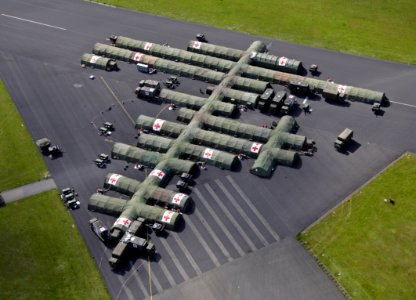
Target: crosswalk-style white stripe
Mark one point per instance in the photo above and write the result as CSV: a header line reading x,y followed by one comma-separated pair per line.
x,y
156,283
234,202
253,208
213,235
187,253
175,260
203,242
231,217
166,272
139,280
217,219
125,289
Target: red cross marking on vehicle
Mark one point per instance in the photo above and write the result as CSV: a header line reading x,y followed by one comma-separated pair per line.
x,y
126,222
282,61
160,174
166,217
157,125
197,45
113,180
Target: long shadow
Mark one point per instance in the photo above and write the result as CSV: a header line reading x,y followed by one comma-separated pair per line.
x,y
338,103
353,146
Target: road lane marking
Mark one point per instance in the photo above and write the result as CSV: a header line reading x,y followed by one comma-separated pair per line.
x,y
230,217
242,212
34,22
205,202
401,103
174,259
253,208
187,253
203,242
166,272
213,235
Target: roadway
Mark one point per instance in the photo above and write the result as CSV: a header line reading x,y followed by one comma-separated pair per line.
x,y
239,237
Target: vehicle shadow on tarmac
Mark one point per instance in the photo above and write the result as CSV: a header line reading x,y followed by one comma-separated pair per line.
x,y
352,147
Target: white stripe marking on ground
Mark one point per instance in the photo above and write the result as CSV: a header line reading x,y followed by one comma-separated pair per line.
x,y
253,208
217,219
34,22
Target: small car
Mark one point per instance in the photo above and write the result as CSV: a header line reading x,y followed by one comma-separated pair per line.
x,y
201,38
99,163
104,157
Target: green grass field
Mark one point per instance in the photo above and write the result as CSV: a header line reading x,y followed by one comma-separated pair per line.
x,y
20,162
368,245
42,255
380,28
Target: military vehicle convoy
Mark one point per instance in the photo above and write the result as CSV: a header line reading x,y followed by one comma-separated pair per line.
x,y
69,198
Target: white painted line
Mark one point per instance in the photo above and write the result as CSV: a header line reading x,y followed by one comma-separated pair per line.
x,y
213,235
175,260
234,202
230,217
253,208
187,253
166,272
203,243
205,202
156,283
405,104
34,22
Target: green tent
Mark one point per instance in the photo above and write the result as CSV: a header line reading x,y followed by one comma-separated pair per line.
x,y
98,62
106,205
121,184
135,155
237,129
213,157
153,143
166,128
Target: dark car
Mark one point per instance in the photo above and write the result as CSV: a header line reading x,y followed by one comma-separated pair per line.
x,y
201,38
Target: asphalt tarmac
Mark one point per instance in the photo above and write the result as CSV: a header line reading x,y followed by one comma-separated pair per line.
x,y
238,239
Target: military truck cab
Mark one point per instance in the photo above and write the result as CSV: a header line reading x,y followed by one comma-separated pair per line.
x,y
127,244
300,88
288,105
48,149
100,230
343,139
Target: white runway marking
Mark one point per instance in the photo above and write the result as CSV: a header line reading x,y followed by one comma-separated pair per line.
x,y
405,104
30,21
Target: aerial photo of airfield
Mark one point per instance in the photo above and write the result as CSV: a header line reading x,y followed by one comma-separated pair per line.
x,y
212,150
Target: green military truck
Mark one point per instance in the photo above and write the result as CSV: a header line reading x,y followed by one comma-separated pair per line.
x,y
343,139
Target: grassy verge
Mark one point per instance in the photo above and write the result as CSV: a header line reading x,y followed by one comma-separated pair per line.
x,y
381,28
368,244
43,256
20,162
